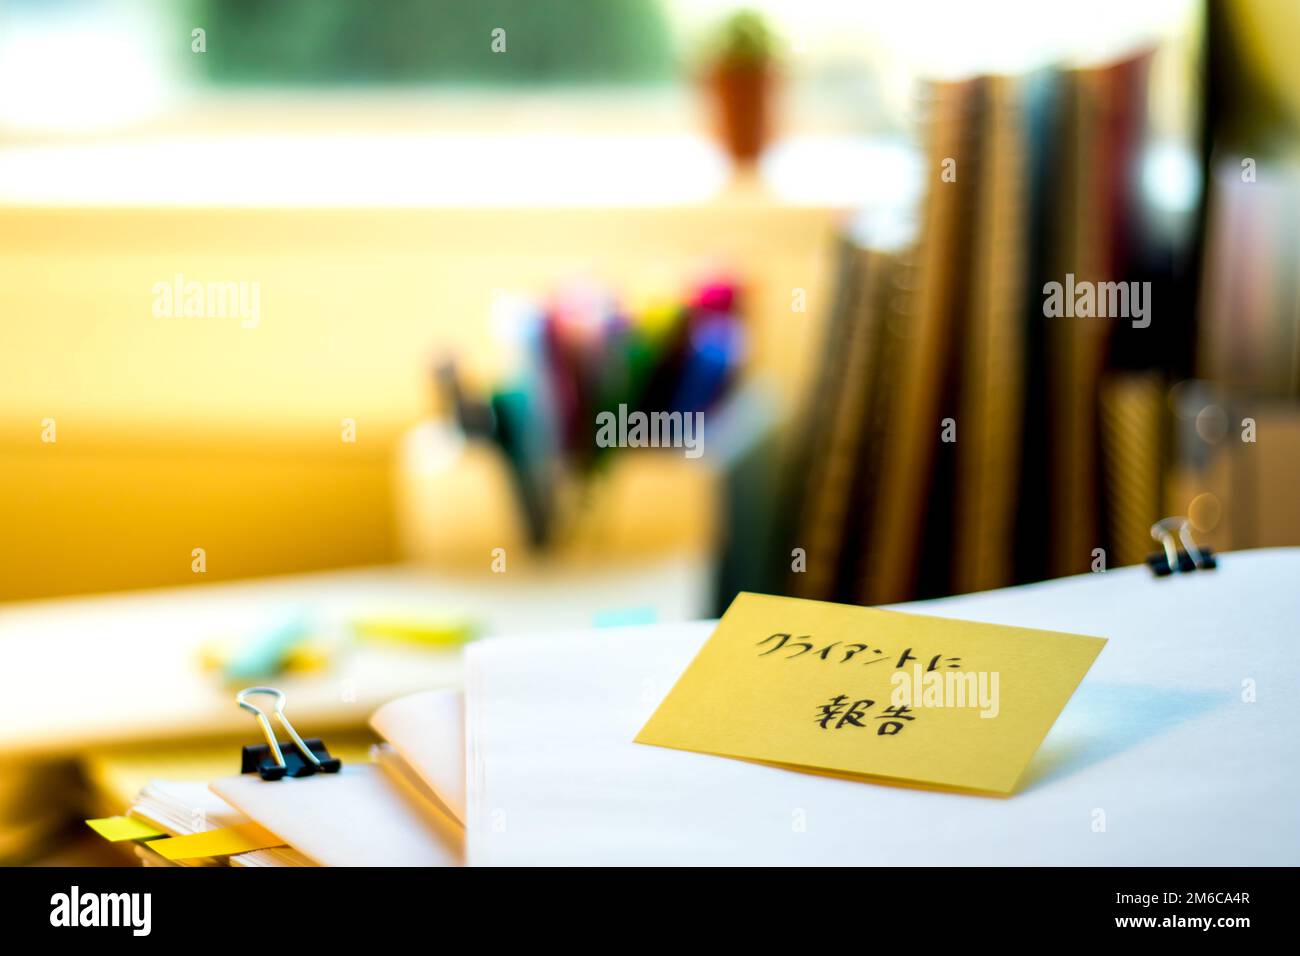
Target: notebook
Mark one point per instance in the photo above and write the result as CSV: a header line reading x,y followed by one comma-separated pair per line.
x,y
1178,749
991,362
910,443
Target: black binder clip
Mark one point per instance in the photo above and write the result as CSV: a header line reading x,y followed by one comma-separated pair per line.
x,y
1181,554
274,760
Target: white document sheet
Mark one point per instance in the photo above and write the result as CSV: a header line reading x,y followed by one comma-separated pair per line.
x,y
356,817
1179,748
428,731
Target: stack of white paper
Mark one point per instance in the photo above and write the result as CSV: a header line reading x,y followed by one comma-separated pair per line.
x,y
356,817
376,814
183,808
1179,748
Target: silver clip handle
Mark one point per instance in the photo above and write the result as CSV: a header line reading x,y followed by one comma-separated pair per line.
x,y
1164,531
265,723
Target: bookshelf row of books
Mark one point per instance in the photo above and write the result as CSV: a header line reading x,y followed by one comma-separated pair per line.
x,y
972,427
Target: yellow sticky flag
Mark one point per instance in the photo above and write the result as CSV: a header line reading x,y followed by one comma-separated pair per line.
x,y
243,838
862,692
117,829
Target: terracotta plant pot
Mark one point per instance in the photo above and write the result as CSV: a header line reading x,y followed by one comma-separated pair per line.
x,y
742,94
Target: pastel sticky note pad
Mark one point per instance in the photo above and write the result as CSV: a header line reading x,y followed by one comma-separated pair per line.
x,y
226,841
625,616
118,829
879,694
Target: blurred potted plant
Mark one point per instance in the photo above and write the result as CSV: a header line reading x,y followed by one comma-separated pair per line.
x,y
741,78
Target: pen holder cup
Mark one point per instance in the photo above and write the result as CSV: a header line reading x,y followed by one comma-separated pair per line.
x,y
456,504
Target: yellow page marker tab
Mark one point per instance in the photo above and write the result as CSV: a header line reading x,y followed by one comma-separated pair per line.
x,y
117,829
224,842
865,692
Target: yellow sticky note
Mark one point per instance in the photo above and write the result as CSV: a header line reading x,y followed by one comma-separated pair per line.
x,y
243,838
415,629
870,693
118,829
